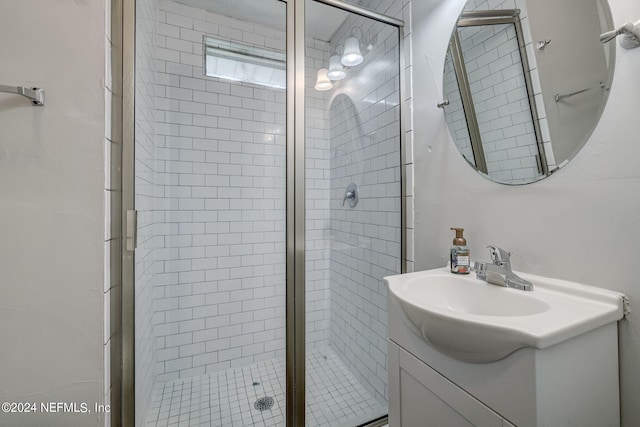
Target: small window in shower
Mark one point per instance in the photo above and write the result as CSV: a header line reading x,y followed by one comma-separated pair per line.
x,y
244,63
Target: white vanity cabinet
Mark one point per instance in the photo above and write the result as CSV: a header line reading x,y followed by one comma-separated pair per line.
x,y
573,383
463,352
426,398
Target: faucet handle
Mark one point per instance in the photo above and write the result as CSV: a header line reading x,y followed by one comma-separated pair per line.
x,y
348,195
351,194
499,256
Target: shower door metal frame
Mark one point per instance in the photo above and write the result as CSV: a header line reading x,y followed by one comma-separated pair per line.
x,y
295,217
460,69
123,310
126,360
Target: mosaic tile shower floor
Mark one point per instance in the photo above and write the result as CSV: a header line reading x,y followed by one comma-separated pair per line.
x,y
227,398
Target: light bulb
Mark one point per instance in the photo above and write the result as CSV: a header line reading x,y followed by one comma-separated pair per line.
x,y
322,82
336,72
351,55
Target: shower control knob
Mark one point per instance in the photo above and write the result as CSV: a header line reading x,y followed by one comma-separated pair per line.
x,y
351,195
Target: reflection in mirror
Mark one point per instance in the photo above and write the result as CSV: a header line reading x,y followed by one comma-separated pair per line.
x,y
526,83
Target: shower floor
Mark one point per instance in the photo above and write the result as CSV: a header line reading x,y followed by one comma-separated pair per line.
x,y
227,398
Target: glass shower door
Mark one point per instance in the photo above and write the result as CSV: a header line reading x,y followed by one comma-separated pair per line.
x,y
218,157
353,211
211,201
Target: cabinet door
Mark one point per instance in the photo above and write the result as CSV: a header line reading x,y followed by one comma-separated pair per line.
x,y
428,399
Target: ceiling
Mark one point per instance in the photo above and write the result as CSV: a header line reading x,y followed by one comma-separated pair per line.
x,y
322,20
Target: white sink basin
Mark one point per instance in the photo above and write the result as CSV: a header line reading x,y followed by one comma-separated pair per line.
x,y
471,320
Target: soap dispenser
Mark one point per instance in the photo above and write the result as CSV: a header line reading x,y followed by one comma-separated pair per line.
x,y
460,263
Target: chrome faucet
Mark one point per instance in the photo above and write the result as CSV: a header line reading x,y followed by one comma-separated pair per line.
x,y
499,272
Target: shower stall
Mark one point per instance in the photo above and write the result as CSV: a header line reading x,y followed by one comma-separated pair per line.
x,y
264,210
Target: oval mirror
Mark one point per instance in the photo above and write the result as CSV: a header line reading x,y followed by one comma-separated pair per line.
x,y
525,84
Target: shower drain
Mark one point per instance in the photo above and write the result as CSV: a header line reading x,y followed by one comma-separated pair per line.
x,y
263,403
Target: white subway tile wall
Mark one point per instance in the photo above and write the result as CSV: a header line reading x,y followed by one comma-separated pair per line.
x,y
497,82
317,187
366,239
220,287
401,9
220,297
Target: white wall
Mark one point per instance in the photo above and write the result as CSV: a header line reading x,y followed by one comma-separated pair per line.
x,y
580,224
52,194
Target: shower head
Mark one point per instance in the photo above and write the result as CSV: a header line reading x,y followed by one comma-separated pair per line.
x,y
630,33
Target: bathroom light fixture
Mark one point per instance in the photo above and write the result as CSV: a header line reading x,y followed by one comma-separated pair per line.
x,y
351,55
630,35
336,72
322,82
